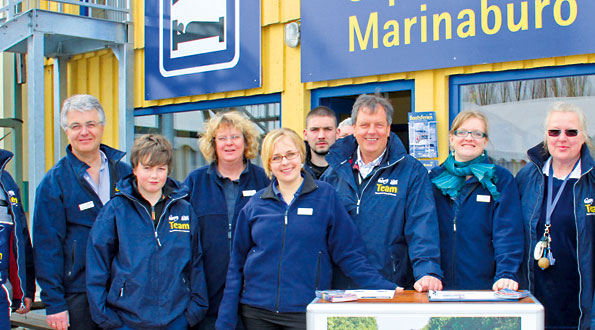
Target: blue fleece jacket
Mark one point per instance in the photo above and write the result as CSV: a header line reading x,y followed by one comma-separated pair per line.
x,y
16,261
208,201
283,253
531,187
65,209
481,239
395,212
142,276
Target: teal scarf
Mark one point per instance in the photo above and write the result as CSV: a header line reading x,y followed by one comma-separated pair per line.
x,y
452,180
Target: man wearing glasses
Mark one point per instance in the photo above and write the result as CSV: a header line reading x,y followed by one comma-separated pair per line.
x,y
67,202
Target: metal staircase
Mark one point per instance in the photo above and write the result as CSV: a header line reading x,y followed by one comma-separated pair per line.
x,y
59,29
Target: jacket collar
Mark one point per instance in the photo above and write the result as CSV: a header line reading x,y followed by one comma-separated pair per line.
x,y
344,149
212,170
113,155
309,185
172,188
539,156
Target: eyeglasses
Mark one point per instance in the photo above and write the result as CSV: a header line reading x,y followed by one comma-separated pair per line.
x,y
475,134
224,139
76,127
289,156
557,132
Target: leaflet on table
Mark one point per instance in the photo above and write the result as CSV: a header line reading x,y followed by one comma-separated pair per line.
x,y
335,295
372,294
460,295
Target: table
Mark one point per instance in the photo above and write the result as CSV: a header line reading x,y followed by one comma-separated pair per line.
x,y
411,310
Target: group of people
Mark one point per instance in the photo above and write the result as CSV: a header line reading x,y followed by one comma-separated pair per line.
x,y
237,246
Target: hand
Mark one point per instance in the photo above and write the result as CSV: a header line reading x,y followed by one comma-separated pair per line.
x,y
26,307
59,321
505,283
428,282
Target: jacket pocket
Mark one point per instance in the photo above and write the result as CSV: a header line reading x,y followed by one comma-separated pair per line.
x,y
318,270
185,283
116,291
72,258
247,268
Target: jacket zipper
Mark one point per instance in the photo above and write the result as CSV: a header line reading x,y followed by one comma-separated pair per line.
x,y
281,260
359,197
578,261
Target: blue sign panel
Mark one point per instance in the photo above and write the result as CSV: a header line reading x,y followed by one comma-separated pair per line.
x,y
197,47
353,38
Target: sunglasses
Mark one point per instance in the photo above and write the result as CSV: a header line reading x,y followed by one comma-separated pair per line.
x,y
557,132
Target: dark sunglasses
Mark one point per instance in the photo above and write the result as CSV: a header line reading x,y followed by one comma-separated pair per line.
x,y
557,132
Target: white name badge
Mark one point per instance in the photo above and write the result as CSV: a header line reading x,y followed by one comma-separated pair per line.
x,y
484,198
248,193
86,205
305,211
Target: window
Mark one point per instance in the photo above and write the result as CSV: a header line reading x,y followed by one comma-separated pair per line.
x,y
516,108
183,129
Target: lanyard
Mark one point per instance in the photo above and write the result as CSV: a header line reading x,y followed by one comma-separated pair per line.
x,y
551,205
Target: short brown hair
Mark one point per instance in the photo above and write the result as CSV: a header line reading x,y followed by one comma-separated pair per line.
x,y
151,150
234,119
268,145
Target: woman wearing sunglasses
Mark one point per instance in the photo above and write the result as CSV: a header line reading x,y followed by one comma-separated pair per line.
x,y
481,228
287,238
557,190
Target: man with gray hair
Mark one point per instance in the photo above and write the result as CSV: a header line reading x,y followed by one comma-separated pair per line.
x,y
389,196
67,202
345,128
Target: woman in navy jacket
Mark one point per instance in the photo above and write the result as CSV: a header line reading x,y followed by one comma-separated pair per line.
x,y
144,260
479,212
287,238
559,263
219,191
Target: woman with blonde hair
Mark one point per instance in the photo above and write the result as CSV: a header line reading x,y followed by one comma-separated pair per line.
x,y
218,192
557,189
287,238
481,229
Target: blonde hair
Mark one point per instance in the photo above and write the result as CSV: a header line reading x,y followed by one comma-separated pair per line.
x,y
152,150
563,107
268,145
232,119
468,114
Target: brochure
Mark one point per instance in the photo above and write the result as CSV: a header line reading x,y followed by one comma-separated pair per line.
x,y
461,295
372,294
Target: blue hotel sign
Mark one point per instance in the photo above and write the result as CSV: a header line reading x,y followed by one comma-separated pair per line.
x,y
353,38
197,47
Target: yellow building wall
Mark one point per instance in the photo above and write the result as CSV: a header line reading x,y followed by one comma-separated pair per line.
x,y
97,73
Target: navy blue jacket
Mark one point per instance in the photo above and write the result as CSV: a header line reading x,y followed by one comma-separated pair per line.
x,y
208,201
487,244
394,212
283,253
65,209
531,187
16,254
142,276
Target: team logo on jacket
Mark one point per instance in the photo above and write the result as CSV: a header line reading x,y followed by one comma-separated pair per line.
x,y
589,205
387,187
13,198
176,226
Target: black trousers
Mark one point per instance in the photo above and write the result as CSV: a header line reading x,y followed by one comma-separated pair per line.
x,y
79,313
262,319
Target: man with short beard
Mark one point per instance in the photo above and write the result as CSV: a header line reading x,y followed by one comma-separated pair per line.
x,y
320,134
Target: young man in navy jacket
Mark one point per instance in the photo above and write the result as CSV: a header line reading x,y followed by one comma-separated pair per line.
x,y
144,255
67,202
